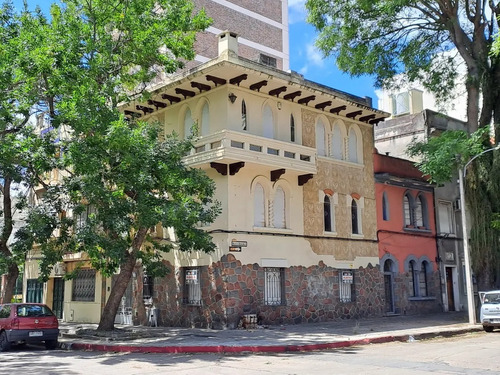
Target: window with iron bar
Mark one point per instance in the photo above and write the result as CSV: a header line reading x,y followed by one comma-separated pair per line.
x,y
84,286
274,286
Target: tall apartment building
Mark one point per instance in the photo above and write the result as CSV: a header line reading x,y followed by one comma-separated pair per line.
x,y
261,26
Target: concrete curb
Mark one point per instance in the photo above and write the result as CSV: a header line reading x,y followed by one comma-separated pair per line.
x,y
225,349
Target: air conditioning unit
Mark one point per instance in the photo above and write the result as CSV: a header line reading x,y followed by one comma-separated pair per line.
x,y
457,205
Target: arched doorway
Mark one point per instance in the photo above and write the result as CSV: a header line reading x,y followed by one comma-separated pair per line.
x,y
389,286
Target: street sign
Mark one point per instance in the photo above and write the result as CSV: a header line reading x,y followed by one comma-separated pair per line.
x,y
235,249
239,243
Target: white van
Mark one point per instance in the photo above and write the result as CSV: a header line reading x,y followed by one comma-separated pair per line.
x,y
490,310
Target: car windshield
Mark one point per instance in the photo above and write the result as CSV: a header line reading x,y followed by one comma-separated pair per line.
x,y
33,310
492,298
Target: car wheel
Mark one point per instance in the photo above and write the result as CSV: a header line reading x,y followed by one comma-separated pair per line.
x,y
488,328
51,344
4,343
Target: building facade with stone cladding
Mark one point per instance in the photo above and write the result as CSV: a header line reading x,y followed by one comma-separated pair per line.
x,y
296,240
292,164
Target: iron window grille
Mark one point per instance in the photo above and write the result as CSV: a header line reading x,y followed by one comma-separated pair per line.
x,y
84,286
346,286
274,286
192,286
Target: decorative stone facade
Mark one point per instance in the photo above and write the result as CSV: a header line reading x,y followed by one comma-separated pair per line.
x,y
230,289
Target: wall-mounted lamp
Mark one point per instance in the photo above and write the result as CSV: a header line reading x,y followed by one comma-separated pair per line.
x,y
231,97
278,105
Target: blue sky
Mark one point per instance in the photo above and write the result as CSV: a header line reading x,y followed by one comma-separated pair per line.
x,y
304,56
307,60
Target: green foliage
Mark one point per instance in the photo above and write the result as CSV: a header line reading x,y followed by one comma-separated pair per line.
x,y
440,157
74,70
387,37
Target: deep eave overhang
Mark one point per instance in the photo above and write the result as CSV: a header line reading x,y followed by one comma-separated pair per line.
x,y
235,71
385,178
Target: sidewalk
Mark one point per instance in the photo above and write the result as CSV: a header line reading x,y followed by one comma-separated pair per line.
x,y
285,338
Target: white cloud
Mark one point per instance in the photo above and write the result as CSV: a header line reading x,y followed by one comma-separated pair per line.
x,y
314,56
296,11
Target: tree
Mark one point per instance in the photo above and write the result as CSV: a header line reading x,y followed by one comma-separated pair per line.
x,y
430,42
24,156
387,37
91,56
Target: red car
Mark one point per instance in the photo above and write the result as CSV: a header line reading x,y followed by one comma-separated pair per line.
x,y
25,323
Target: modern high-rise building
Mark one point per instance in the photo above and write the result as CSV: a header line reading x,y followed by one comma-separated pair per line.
x,y
261,26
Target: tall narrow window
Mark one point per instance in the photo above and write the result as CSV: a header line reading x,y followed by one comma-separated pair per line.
x,y
445,217
320,138
353,146
337,143
192,286
327,211
413,279
385,207
292,129
354,217
418,213
407,210
205,120
188,123
346,285
279,209
244,118
422,280
259,206
268,122
273,286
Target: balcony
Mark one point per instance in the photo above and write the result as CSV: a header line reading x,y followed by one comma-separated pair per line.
x,y
229,147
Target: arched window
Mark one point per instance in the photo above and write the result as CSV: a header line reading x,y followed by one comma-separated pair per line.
x,y
320,138
385,207
407,210
422,214
327,213
268,122
353,146
337,151
244,118
388,265
418,215
205,120
259,207
279,209
422,280
292,129
354,217
413,279
188,123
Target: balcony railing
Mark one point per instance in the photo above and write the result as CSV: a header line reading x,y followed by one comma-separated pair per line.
x,y
230,146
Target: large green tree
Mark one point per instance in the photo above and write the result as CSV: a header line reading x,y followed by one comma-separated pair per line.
x,y
118,178
439,44
24,156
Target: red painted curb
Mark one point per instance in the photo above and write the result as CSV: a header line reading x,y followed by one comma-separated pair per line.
x,y
261,348
231,349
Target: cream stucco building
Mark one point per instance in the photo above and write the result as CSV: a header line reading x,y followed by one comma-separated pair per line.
x,y
297,238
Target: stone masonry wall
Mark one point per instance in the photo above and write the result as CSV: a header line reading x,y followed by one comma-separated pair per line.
x,y
230,289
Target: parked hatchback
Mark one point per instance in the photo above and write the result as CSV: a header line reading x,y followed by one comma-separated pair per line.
x,y
24,323
490,310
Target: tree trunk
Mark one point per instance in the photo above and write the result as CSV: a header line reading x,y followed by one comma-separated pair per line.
x,y
13,270
10,284
107,322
